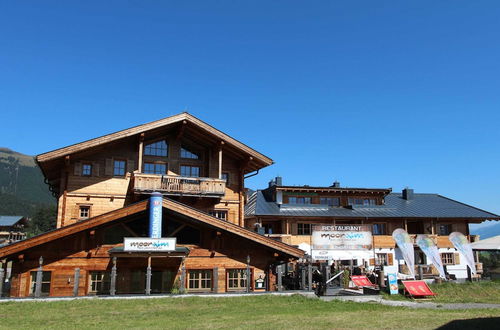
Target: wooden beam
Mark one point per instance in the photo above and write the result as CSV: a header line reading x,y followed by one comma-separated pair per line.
x,y
127,228
181,130
141,152
177,230
220,161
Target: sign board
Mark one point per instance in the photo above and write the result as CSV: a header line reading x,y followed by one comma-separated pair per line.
x,y
155,215
393,283
418,288
341,237
144,244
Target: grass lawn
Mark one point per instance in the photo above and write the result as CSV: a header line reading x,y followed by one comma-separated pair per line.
x,y
268,312
475,292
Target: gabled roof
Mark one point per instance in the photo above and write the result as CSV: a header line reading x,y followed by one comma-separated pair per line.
x,y
9,220
421,206
180,118
192,213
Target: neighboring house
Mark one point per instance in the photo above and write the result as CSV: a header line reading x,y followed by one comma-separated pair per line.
x,y
103,187
12,228
287,214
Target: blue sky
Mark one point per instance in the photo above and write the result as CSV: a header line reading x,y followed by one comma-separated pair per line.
x,y
369,93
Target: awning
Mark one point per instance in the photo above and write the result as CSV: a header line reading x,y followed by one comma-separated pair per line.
x,y
492,244
180,251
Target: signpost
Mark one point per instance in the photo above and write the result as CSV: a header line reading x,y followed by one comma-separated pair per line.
x,y
334,241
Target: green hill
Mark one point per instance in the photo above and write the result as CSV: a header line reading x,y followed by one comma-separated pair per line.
x,y
22,187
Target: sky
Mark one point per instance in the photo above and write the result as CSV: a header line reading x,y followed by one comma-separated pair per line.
x,y
383,94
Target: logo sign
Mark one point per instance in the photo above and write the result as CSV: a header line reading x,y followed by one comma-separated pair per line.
x,y
341,237
144,244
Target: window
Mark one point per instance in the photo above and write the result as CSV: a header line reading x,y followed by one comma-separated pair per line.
x,y
84,212
330,201
185,153
237,279
155,168
225,176
191,171
304,229
448,258
119,168
159,148
299,200
87,169
221,214
444,229
362,201
45,283
379,229
200,280
382,259
99,283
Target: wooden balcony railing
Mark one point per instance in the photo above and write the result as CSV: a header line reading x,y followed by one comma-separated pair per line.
x,y
179,185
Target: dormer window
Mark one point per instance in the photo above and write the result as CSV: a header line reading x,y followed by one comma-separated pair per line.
x,y
299,200
330,201
186,153
362,201
159,148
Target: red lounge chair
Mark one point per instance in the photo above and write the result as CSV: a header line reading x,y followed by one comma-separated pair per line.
x,y
417,289
361,281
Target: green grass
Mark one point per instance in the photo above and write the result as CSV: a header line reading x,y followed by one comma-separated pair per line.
x,y
267,312
475,292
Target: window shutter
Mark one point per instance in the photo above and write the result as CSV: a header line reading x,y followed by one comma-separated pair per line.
x,y
108,170
456,258
372,261
390,259
78,168
95,169
130,166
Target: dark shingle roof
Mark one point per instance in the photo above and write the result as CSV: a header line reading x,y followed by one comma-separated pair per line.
x,y
421,206
9,220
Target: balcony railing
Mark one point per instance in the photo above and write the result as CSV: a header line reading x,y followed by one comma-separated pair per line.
x,y
179,185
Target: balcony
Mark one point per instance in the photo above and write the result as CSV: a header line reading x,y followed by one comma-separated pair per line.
x,y
175,185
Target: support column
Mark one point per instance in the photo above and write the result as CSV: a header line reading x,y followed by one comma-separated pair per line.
x,y
280,279
220,161
2,276
141,151
39,276
248,274
303,278
112,286
215,288
420,272
309,276
76,282
182,287
148,277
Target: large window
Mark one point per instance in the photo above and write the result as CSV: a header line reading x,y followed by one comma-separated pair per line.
x,y
299,200
45,283
200,280
236,279
159,148
448,258
190,171
444,229
379,229
119,167
155,168
382,259
330,201
186,153
304,228
221,214
99,283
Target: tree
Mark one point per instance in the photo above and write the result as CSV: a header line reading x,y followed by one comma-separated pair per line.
x,y
43,220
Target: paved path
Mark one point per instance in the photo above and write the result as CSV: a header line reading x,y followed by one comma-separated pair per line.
x,y
411,304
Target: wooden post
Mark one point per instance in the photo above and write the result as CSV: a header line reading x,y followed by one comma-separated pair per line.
x,y
309,276
182,287
248,274
215,288
303,278
39,276
76,282
280,280
112,285
420,272
2,274
469,274
141,147
148,277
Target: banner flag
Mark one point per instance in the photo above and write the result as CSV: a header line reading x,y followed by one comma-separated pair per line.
x,y
426,244
405,244
463,246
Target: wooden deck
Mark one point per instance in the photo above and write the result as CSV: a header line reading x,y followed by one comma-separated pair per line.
x,y
178,185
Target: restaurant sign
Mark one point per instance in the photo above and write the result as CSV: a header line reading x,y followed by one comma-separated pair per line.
x,y
341,237
145,244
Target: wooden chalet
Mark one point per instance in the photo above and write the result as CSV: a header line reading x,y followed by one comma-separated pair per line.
x,y
103,187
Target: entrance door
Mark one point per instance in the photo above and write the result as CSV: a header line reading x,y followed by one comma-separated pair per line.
x,y
162,281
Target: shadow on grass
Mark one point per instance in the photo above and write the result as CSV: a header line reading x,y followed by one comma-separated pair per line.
x,y
479,323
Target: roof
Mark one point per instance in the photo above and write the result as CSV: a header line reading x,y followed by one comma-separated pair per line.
x,y
421,206
193,214
9,220
179,118
492,243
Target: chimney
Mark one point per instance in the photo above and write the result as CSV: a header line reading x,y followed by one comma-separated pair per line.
x,y
278,181
336,184
408,194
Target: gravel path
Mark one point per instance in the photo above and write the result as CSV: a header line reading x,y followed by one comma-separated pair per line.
x,y
411,304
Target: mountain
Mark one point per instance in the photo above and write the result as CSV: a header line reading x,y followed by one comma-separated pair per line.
x,y
22,187
486,229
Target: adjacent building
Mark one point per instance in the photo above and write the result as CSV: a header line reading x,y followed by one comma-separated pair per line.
x,y
12,228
